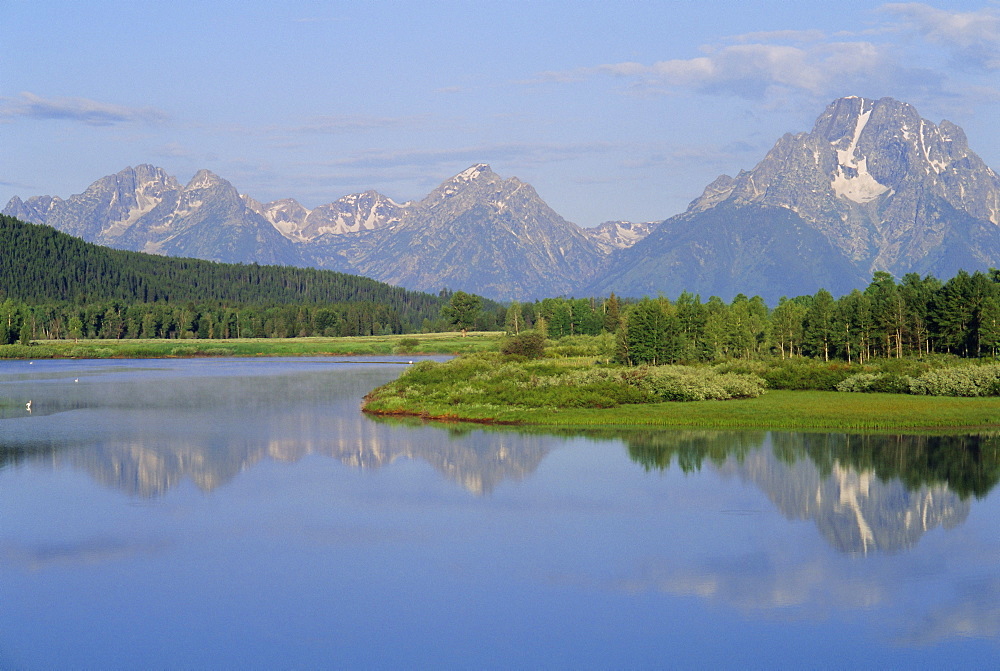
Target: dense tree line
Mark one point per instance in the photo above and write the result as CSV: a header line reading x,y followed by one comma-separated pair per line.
x,y
918,315
21,322
53,285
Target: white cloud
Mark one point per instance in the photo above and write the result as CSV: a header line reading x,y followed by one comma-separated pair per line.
x,y
780,36
91,112
972,37
753,70
814,65
973,613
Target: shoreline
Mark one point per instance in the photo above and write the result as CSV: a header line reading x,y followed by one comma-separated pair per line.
x,y
777,410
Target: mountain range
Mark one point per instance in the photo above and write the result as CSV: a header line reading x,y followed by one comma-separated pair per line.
x,y
873,186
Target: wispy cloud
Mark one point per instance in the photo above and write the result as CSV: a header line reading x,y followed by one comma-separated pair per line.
x,y
173,150
752,70
320,19
770,65
781,36
83,552
972,613
83,110
973,38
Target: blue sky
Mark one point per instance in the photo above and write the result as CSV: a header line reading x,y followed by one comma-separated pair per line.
x,y
610,110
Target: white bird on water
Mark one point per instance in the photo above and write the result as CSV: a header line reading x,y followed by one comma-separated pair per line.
x,y
27,406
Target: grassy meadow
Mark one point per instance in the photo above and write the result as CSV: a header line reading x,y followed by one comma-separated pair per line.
x,y
423,343
776,410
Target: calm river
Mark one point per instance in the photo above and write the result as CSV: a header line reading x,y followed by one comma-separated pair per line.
x,y
232,513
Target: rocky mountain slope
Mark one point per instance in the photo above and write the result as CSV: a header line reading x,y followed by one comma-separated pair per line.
x,y
481,231
144,209
872,187
355,213
476,232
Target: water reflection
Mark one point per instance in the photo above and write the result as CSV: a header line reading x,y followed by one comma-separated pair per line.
x,y
864,492
150,429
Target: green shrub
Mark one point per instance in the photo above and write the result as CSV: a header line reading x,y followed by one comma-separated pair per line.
x,y
602,346
981,380
529,344
687,383
487,381
820,376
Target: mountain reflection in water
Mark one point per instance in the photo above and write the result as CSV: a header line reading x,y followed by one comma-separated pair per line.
x,y
865,493
149,469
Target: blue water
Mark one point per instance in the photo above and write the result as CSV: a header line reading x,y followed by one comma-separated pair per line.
x,y
230,513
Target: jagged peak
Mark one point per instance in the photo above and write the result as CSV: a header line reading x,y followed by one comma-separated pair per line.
x,y
714,193
473,172
142,168
371,195
143,175
204,179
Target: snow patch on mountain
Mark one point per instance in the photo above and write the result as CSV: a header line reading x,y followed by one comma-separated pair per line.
x,y
471,173
852,179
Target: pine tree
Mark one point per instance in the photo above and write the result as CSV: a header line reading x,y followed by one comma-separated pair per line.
x,y
818,333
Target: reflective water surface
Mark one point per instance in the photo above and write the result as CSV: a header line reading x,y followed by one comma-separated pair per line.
x,y
244,514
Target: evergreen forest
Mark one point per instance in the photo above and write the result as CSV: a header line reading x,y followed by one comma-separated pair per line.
x,y
55,286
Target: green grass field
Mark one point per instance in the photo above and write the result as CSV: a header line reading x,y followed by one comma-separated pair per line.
x,y
777,409
422,343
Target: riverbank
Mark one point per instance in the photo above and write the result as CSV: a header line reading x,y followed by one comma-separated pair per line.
x,y
421,343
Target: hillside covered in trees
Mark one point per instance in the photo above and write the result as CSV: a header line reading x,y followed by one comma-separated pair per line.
x,y
60,286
